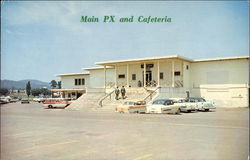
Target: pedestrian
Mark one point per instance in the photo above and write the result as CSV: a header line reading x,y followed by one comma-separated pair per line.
x,y
139,83
123,92
117,92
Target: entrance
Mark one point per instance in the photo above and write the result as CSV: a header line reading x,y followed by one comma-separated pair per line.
x,y
148,77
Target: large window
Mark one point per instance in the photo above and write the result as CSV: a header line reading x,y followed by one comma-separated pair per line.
x,y
79,81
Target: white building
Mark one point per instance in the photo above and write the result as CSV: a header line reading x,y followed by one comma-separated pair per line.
x,y
223,80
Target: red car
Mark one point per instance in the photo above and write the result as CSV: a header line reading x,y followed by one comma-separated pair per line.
x,y
57,103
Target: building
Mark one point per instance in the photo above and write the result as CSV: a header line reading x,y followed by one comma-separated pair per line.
x,y
222,80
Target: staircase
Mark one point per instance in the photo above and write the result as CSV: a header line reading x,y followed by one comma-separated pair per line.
x,y
86,101
110,102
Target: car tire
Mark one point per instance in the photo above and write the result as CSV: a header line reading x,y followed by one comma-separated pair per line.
x,y
50,106
206,110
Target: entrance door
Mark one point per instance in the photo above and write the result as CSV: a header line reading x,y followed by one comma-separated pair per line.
x,y
148,77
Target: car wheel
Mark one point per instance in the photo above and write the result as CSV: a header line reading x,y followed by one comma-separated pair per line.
x,y
50,106
206,110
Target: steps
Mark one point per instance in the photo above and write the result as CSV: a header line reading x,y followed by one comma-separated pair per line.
x,y
86,101
131,94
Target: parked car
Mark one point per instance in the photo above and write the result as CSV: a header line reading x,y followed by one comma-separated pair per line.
x,y
25,100
184,105
201,104
4,100
57,103
163,106
39,99
133,106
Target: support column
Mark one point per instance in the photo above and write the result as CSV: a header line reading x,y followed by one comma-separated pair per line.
x,y
127,75
115,75
105,77
158,74
144,74
173,74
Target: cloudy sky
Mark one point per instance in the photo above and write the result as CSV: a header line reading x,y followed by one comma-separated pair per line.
x,y
41,39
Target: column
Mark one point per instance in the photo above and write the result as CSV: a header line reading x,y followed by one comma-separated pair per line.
x,y
144,74
158,74
115,75
105,76
172,73
127,75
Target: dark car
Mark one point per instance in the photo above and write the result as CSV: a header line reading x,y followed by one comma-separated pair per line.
x,y
25,100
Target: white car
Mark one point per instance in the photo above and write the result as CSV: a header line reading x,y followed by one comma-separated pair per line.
x,y
184,105
163,106
38,99
201,104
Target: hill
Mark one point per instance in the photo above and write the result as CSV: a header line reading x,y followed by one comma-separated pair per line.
x,y
10,84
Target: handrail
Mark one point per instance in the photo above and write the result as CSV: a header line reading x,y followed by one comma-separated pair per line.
x,y
150,95
109,94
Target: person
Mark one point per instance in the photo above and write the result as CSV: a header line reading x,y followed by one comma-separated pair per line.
x,y
139,83
123,92
117,92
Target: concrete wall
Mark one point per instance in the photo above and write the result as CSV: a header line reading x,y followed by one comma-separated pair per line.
x,y
68,82
97,77
224,82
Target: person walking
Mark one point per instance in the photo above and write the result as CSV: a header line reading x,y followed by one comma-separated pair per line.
x,y
117,92
123,92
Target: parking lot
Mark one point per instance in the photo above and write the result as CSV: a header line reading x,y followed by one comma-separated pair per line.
x,y
30,132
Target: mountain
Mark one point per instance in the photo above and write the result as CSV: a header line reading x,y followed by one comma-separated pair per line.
x,y
10,84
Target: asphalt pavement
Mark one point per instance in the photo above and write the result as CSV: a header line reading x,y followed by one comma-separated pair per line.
x,y
30,132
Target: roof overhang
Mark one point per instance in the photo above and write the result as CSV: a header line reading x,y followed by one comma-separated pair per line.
x,y
68,90
72,74
141,60
97,68
222,59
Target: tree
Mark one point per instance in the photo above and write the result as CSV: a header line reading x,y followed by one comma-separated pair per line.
x,y
53,84
59,84
36,91
4,91
45,91
28,88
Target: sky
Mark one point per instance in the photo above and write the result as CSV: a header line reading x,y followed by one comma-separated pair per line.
x,y
42,39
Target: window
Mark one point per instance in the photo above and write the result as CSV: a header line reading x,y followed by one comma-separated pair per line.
x,y
80,81
187,67
133,76
161,75
83,81
121,76
147,65
178,73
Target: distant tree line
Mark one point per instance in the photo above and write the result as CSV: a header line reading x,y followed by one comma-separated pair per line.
x,y
34,91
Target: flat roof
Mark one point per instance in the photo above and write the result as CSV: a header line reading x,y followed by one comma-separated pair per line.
x,y
72,74
74,89
95,68
144,59
170,57
222,59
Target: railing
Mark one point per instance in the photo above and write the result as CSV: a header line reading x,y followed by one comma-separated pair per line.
x,y
108,95
110,84
178,83
150,96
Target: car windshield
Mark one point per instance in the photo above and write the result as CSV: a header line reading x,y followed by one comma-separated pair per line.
x,y
200,100
197,100
24,99
128,103
163,102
